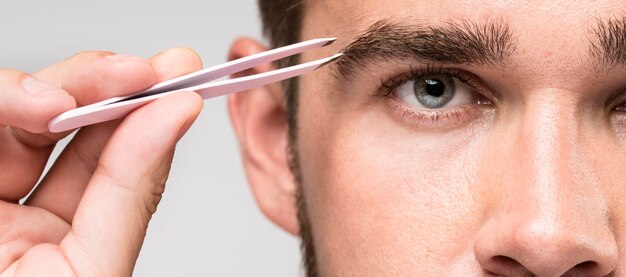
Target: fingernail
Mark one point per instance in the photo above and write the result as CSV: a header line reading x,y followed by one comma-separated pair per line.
x,y
36,87
123,57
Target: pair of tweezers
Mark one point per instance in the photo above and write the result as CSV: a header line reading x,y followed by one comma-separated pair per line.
x,y
200,82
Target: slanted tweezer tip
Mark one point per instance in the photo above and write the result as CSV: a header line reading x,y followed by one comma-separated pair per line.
x,y
329,42
331,59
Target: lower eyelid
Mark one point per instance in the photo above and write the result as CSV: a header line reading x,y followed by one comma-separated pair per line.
x,y
446,119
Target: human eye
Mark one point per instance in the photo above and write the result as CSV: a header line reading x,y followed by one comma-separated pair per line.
x,y
436,97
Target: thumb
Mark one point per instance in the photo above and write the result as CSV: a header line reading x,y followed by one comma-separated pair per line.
x,y
111,220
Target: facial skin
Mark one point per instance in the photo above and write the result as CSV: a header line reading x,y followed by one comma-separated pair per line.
x,y
520,175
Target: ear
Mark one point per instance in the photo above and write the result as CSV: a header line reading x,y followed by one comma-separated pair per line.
x,y
258,116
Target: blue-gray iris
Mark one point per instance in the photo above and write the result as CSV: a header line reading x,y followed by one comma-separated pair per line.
x,y
434,91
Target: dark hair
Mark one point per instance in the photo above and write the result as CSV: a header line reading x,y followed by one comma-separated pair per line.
x,y
282,22
282,25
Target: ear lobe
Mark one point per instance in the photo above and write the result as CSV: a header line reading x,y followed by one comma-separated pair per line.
x,y
258,117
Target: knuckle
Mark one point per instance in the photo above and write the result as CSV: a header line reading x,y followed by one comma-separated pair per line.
x,y
193,56
90,55
184,51
186,56
11,75
157,183
86,56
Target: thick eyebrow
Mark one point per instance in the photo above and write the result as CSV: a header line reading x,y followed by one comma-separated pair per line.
x,y
462,42
608,47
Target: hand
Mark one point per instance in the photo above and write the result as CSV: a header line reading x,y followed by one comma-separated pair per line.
x,y
88,216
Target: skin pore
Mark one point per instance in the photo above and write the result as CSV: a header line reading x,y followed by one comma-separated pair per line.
x,y
520,174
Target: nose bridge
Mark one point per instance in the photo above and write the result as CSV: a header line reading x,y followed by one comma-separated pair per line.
x,y
555,189
550,216
549,132
550,186
543,158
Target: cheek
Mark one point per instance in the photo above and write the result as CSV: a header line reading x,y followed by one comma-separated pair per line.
x,y
383,195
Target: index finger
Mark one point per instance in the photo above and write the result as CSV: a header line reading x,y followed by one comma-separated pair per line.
x,y
26,103
84,78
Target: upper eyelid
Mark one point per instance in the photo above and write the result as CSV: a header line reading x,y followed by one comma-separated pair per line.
x,y
387,85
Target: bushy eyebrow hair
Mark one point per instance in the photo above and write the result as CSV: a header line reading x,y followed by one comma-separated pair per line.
x,y
608,47
459,42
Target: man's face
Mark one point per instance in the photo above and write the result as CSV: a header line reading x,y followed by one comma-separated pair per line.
x,y
506,158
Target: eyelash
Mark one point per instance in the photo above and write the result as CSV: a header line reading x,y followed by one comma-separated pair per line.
x,y
387,87
431,118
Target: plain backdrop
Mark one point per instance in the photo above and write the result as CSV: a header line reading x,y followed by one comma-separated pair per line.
x,y
207,223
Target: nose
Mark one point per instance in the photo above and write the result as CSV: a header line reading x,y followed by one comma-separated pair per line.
x,y
548,215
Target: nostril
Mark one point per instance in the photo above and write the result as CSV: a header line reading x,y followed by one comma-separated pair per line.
x,y
587,268
506,261
505,266
533,246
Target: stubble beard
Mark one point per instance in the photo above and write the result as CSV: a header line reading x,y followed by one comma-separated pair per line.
x,y
307,248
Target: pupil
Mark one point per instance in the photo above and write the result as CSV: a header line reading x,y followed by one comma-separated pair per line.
x,y
434,91
435,87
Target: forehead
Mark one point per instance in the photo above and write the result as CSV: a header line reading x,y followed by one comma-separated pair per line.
x,y
517,12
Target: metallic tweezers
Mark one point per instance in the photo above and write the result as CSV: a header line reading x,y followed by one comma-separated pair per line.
x,y
200,82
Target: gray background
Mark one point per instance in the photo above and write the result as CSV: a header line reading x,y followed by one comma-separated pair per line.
x,y
207,223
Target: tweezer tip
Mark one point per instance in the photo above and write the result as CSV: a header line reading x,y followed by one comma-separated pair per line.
x,y
329,42
331,59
